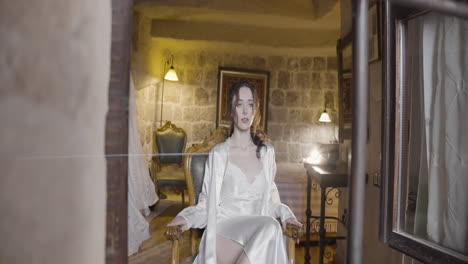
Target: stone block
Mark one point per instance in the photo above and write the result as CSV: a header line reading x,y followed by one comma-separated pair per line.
x,y
201,130
277,97
167,112
284,80
287,133
294,152
281,150
213,60
172,92
244,61
201,58
307,116
177,116
306,99
276,63
188,114
207,113
275,131
306,64
188,60
297,132
273,80
213,97
329,80
332,64
302,80
187,95
277,114
210,78
259,62
193,76
293,64
294,115
316,99
292,99
316,81
319,64
201,96
229,60
330,99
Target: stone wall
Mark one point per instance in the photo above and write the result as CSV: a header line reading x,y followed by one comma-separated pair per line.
x,y
300,85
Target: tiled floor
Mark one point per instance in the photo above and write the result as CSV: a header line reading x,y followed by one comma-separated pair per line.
x,y
158,250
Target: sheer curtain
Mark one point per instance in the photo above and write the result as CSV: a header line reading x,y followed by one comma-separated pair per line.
x,y
141,192
445,128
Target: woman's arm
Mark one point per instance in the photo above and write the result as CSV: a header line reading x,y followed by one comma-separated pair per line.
x,y
197,216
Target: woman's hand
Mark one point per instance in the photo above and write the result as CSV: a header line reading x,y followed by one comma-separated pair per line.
x,y
180,222
292,221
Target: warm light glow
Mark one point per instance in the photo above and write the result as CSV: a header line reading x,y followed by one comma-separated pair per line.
x,y
314,157
324,117
171,75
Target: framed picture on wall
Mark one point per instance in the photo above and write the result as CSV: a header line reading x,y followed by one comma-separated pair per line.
x,y
347,104
374,32
345,76
227,77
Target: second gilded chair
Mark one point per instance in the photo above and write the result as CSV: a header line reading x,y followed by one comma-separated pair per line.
x,y
169,143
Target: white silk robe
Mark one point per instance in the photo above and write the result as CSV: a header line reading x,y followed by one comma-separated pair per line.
x,y
204,214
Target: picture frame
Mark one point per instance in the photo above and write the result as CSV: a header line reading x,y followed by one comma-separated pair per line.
x,y
345,82
347,104
227,77
374,32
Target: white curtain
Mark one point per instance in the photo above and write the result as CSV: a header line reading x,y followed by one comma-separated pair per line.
x,y
141,192
445,95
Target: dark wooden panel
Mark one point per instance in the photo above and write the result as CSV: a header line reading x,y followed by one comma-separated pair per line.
x,y
117,134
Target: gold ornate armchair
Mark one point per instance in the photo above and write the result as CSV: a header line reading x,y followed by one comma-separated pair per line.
x,y
169,143
194,163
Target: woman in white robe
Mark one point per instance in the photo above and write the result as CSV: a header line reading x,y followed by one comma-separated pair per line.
x,y
239,202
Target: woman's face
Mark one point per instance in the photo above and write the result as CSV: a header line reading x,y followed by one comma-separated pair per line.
x,y
244,109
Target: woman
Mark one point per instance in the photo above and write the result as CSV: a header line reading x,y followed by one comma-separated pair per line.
x,y
239,200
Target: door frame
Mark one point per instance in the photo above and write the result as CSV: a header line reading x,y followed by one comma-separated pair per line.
x,y
116,146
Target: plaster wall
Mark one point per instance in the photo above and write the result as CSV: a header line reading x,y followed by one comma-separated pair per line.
x,y
301,82
53,100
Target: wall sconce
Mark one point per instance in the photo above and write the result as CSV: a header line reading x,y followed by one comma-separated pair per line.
x,y
324,117
170,75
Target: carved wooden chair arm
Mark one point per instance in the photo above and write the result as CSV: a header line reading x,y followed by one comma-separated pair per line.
x,y
293,231
173,233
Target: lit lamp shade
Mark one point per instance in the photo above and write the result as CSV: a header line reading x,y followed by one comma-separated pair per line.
x,y
171,75
324,117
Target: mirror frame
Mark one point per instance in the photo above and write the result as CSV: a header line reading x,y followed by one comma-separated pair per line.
x,y
395,14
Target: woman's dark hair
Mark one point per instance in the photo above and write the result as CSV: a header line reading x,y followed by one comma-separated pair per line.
x,y
258,137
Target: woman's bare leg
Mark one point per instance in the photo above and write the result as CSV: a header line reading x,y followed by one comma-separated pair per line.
x,y
229,251
243,259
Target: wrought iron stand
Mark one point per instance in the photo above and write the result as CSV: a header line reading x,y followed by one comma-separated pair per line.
x,y
326,177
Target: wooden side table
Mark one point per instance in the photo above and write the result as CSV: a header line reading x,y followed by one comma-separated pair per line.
x,y
327,177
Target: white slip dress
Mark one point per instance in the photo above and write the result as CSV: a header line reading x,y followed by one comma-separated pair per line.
x,y
239,218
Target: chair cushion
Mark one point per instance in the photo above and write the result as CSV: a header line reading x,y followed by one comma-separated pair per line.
x,y
170,174
170,146
197,170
